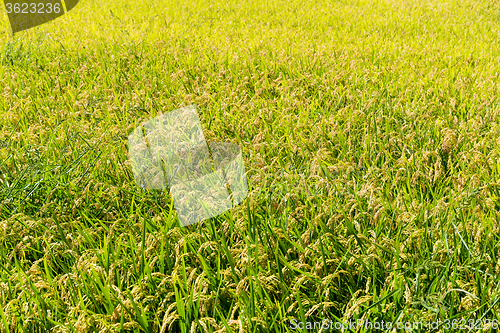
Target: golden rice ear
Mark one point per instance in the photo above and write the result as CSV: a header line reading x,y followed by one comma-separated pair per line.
x,y
27,14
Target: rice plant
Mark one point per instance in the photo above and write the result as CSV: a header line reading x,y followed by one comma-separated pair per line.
x,y
370,133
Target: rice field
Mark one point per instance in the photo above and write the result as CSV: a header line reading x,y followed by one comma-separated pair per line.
x,y
371,138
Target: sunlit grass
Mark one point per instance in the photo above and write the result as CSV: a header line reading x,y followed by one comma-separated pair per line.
x,y
370,135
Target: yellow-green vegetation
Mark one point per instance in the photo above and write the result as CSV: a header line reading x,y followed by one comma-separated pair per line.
x,y
370,131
